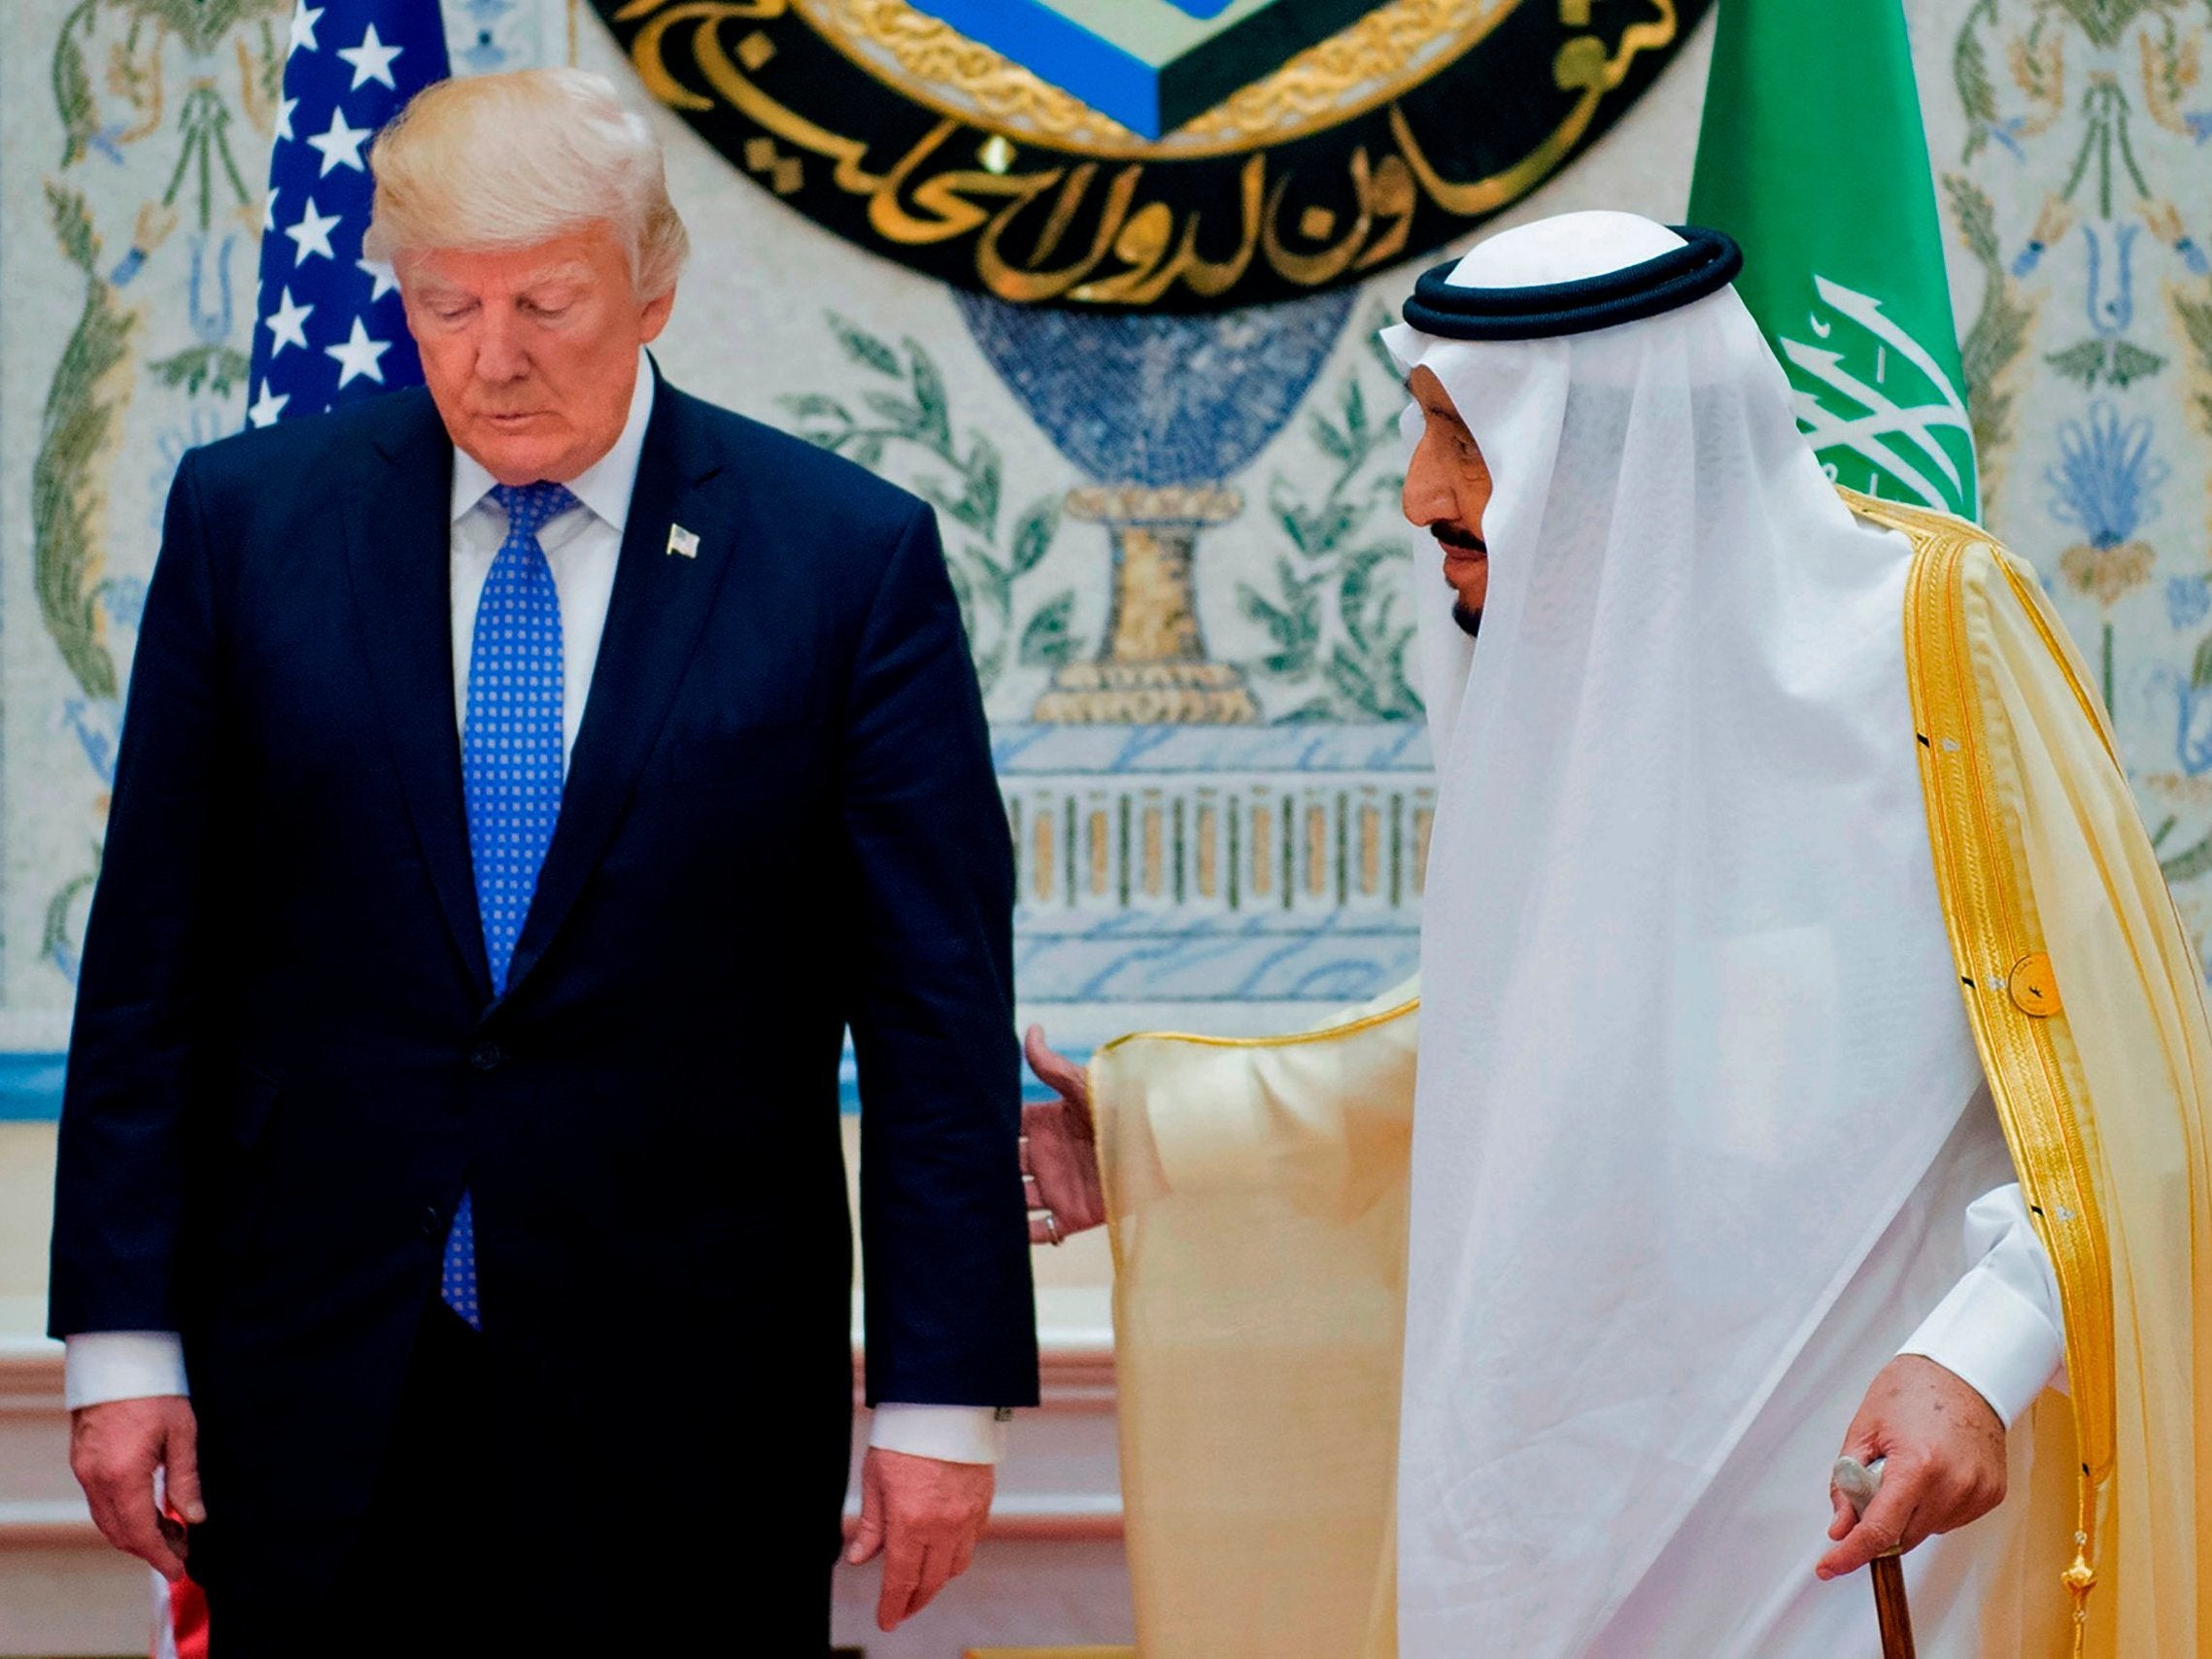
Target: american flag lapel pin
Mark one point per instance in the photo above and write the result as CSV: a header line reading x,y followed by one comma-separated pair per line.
x,y
683,543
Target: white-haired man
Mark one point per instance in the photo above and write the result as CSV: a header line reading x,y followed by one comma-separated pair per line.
x,y
1545,1345
526,784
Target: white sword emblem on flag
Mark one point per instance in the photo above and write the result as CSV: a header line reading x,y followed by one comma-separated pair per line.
x,y
1881,416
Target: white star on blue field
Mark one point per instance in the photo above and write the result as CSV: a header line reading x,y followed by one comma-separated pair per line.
x,y
330,328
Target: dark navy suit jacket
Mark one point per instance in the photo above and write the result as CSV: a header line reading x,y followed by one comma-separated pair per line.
x,y
288,1062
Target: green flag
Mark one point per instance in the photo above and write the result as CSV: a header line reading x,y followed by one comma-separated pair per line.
x,y
1811,156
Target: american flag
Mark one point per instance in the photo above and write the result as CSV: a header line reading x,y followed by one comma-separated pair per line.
x,y
329,323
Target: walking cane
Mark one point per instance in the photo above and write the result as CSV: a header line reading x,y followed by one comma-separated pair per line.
x,y
1859,1482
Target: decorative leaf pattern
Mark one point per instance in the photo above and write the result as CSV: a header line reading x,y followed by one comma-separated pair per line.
x,y
912,422
1330,589
79,424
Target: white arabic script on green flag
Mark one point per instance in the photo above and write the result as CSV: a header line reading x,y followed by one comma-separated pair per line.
x,y
1813,157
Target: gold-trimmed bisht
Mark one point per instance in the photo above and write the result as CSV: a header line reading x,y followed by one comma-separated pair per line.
x,y
2012,1001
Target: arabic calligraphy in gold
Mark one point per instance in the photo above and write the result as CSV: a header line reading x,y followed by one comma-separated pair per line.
x,y
1070,217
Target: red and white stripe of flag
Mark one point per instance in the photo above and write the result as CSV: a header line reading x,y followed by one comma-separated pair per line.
x,y
180,1620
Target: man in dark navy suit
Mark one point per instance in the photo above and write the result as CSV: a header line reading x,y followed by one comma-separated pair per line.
x,y
527,783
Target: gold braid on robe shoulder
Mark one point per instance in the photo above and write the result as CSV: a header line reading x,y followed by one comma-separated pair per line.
x,y
2087,1003
1258,1191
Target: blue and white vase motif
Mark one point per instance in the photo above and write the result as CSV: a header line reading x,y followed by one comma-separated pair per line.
x,y
1160,410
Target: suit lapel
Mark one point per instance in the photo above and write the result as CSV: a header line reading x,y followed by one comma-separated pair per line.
x,y
660,603
400,562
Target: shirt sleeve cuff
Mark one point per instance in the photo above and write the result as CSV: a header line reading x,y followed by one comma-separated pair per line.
x,y
101,1365
949,1433
1994,1339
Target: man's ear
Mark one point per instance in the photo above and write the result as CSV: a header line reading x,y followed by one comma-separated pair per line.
x,y
655,317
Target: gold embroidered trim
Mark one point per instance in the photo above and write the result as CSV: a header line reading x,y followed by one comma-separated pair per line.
x,y
1350,1028
2028,1057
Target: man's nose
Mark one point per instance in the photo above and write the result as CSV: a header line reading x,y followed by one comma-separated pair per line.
x,y
1428,499
501,354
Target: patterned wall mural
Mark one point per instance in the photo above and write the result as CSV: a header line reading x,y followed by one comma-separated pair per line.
x,y
1235,822
1178,554
2081,188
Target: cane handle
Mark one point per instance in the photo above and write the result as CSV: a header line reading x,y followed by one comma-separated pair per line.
x,y
1859,1482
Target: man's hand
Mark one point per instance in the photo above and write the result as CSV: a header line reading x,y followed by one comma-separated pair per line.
x,y
114,1450
923,1517
1060,1149
1946,1452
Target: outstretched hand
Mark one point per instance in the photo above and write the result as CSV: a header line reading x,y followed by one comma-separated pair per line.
x,y
1945,1455
1060,1149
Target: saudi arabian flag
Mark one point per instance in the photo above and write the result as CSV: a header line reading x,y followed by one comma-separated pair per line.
x,y
1811,156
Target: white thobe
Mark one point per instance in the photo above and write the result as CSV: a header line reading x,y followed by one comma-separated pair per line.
x,y
1736,1581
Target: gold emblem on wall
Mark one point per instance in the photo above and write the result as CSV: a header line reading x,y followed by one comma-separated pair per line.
x,y
1039,168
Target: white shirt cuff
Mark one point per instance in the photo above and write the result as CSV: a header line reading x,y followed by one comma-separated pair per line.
x,y
950,1434
101,1365
2001,1330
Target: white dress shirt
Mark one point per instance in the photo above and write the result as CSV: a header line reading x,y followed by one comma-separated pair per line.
x,y
581,546
2001,1329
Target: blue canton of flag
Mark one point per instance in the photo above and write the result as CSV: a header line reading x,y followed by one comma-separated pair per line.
x,y
332,328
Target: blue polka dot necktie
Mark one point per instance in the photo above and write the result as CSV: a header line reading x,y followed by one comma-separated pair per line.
x,y
511,767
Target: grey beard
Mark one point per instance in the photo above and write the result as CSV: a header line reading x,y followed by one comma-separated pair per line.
x,y
1470,622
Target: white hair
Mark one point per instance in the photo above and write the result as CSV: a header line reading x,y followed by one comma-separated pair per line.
x,y
515,159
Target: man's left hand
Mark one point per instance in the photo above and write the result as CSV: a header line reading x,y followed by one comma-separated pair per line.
x,y
1946,1463
923,1516
1060,1149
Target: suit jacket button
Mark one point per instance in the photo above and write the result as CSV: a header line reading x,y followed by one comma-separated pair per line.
x,y
485,1056
433,1224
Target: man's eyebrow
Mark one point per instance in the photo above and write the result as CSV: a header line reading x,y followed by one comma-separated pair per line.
x,y
568,271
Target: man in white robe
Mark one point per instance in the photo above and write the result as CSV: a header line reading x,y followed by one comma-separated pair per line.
x,y
1698,1113
1706,1181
